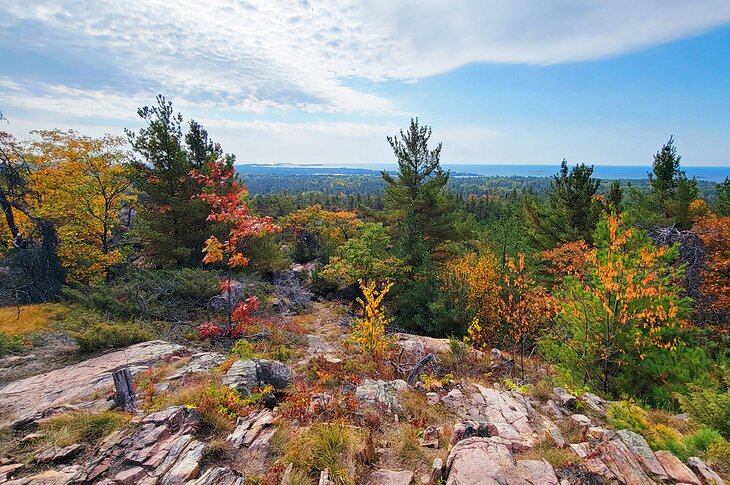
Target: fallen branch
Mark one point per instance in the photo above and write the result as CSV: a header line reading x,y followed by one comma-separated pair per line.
x,y
415,372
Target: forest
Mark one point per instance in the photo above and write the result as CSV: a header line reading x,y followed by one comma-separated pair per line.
x,y
618,289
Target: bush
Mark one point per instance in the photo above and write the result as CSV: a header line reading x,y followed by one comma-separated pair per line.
x,y
103,336
628,415
709,406
9,344
150,294
242,349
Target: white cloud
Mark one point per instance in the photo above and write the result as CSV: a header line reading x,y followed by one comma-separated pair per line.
x,y
298,55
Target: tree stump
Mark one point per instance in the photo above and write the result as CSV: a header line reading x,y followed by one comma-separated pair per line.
x,y
126,398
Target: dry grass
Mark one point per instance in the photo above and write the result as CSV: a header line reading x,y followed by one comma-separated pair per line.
x,y
557,457
29,318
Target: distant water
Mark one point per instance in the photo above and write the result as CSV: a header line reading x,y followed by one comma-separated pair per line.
x,y
709,174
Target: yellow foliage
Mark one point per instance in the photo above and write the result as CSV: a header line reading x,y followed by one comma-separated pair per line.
x,y
82,189
480,275
369,331
28,318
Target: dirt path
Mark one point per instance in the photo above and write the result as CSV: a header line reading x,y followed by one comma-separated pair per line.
x,y
325,332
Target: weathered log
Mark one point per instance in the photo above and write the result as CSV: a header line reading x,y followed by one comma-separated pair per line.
x,y
415,372
126,398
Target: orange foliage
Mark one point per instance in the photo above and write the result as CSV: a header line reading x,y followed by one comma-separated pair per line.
x,y
226,195
715,233
568,259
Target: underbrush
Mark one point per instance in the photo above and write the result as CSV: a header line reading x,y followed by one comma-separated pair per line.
x,y
107,335
10,344
25,319
331,446
80,427
664,431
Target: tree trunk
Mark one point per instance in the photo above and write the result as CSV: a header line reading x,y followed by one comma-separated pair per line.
x,y
126,398
9,217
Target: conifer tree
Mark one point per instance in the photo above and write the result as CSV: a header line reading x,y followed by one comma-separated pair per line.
x,y
172,223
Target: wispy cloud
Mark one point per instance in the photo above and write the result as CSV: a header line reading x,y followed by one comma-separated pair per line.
x,y
297,55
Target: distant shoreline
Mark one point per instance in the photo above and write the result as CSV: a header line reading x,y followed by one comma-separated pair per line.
x,y
606,172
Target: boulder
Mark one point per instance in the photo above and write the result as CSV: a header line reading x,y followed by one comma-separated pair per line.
x,y
705,473
391,477
48,477
242,376
537,472
246,374
565,399
640,448
381,392
468,429
596,403
274,373
677,471
7,471
28,400
220,476
58,454
432,398
485,461
200,362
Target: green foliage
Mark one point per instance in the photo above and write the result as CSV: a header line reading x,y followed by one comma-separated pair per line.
x,y
661,374
103,336
9,344
150,294
171,223
626,306
709,405
670,196
365,256
571,210
242,349
723,198
626,414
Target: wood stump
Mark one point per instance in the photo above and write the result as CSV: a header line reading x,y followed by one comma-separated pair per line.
x,y
126,398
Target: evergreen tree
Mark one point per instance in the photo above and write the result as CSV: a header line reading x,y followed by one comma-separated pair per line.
x,y
415,196
671,192
571,211
171,223
723,198
663,178
615,197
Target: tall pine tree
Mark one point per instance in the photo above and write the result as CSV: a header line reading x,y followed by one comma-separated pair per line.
x,y
172,223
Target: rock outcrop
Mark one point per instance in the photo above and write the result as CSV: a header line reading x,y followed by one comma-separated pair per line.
x,y
246,374
381,392
33,398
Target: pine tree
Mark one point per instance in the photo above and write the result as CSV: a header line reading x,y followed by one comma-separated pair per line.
x,y
172,223
571,212
615,197
723,198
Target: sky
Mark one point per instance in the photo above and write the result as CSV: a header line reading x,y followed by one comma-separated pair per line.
x,y
305,81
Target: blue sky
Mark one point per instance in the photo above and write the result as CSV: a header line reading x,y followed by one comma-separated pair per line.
x,y
325,81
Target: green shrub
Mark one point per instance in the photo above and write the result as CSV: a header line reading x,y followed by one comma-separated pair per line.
x,y
700,441
103,336
9,344
628,415
718,455
242,349
708,406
